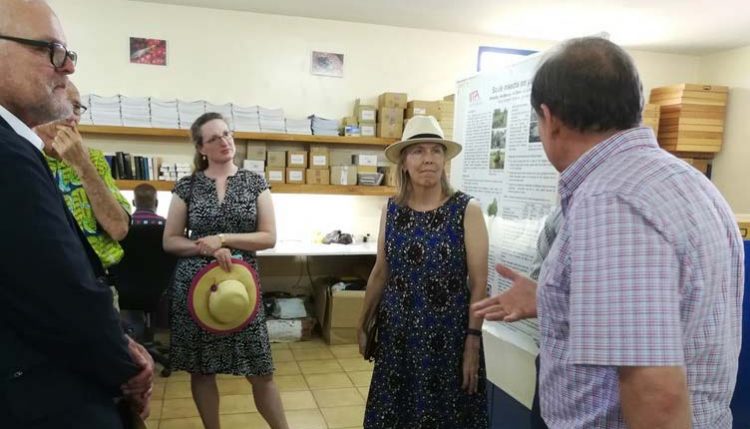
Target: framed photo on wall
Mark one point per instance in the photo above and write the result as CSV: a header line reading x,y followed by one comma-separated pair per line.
x,y
327,64
148,51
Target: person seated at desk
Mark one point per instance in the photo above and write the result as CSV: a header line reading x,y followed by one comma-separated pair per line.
x,y
145,203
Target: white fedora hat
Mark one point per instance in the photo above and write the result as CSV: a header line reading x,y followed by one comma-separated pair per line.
x,y
422,129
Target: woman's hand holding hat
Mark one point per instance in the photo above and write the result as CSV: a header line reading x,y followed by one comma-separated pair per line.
x,y
224,258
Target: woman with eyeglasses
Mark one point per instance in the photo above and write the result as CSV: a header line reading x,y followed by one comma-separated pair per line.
x,y
227,213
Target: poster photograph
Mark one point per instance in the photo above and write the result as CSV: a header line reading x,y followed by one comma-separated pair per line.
x,y
148,51
327,64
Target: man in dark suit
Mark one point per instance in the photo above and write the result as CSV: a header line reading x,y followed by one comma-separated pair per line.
x,y
63,356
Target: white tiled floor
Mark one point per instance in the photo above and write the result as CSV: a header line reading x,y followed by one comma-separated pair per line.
x,y
322,387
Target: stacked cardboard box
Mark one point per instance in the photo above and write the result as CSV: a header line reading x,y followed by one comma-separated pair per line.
x,y
366,116
391,108
421,107
445,117
691,116
276,166
651,113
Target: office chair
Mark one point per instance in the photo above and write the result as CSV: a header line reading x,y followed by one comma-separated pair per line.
x,y
142,277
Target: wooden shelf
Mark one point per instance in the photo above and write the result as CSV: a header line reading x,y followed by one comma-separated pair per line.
x,y
279,188
238,135
160,185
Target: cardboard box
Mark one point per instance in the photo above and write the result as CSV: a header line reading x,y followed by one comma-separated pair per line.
x,y
338,312
392,100
743,221
256,152
364,112
349,120
391,116
390,131
275,175
254,165
296,159
276,159
343,175
319,157
295,175
365,159
340,157
420,107
367,130
316,176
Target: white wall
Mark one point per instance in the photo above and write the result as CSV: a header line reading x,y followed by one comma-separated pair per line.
x,y
730,167
249,58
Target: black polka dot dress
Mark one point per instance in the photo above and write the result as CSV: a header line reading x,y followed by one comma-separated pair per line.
x,y
424,313
247,352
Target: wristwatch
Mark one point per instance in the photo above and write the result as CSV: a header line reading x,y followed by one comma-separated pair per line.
x,y
221,237
475,332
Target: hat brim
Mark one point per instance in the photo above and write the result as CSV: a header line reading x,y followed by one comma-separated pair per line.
x,y
393,152
200,290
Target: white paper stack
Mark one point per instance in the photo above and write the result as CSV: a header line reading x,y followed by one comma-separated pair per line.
x,y
174,171
105,110
299,126
135,111
224,109
324,127
271,120
189,111
164,114
246,118
86,116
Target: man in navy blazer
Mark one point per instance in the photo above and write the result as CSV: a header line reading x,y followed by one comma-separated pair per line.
x,y
63,355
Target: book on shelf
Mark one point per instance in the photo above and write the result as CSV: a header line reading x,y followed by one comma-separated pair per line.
x,y
126,166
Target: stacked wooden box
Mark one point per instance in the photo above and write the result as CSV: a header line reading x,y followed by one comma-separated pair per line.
x,y
650,115
691,117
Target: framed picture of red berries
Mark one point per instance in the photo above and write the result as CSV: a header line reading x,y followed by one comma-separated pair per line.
x,y
148,51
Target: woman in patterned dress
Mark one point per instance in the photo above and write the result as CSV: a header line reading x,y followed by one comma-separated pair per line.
x,y
429,369
230,215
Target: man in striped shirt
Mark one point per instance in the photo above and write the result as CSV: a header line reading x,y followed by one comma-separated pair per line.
x,y
639,299
145,206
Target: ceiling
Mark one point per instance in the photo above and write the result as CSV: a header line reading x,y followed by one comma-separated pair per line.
x,y
680,26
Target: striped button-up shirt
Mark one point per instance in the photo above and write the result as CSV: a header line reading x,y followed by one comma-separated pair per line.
x,y
647,270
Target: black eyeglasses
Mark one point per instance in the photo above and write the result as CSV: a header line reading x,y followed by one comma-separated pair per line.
x,y
58,53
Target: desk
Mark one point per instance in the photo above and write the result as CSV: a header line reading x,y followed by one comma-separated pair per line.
x,y
298,248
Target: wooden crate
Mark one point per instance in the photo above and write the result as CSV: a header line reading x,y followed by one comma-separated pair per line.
x,y
691,117
686,93
651,116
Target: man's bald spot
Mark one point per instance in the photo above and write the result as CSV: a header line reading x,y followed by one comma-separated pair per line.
x,y
19,15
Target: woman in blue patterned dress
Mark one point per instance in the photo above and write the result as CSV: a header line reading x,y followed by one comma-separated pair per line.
x,y
431,265
230,214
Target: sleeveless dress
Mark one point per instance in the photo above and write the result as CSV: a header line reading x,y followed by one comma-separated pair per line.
x,y
247,352
423,315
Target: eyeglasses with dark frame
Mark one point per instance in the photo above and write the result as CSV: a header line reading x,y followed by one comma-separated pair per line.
x,y
58,53
79,109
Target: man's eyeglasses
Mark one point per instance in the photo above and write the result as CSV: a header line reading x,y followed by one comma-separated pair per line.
x,y
58,53
79,109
